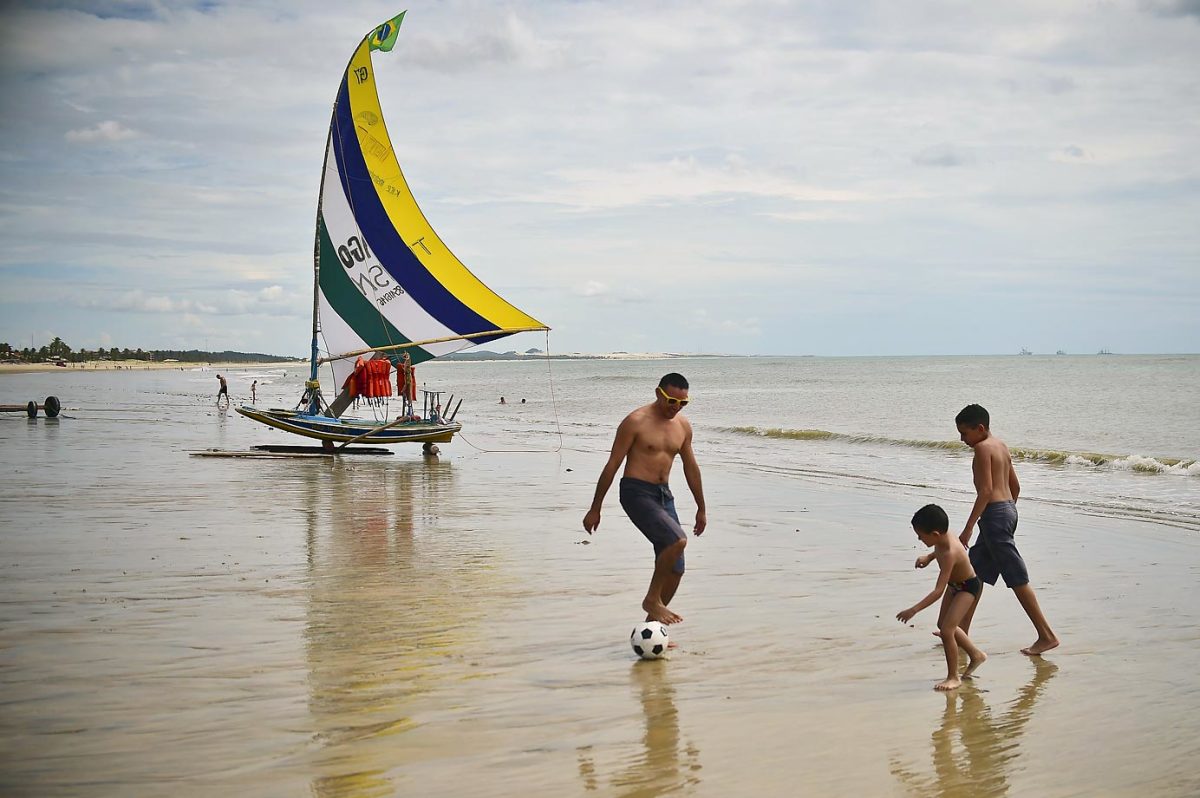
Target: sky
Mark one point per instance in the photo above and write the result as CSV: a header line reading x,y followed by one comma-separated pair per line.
x,y
745,177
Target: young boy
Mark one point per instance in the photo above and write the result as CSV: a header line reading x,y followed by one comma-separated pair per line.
x,y
995,509
957,580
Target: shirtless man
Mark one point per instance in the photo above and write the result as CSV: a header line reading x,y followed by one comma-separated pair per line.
x,y
995,509
648,440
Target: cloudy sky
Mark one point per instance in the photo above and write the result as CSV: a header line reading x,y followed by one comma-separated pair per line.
x,y
829,177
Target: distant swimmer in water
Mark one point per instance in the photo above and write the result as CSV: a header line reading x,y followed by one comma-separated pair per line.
x,y
223,390
647,441
430,449
502,401
957,586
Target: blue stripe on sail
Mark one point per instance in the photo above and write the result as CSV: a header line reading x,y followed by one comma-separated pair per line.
x,y
389,248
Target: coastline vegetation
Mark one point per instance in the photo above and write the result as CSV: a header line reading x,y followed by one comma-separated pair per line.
x,y
57,351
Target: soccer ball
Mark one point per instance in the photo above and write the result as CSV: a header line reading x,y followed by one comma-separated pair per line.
x,y
649,640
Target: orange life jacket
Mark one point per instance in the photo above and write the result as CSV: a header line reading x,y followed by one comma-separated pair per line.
x,y
380,377
355,384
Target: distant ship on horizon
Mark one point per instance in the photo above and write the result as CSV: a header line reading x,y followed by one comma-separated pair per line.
x,y
1025,351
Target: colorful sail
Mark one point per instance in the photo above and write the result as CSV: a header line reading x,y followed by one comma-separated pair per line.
x,y
384,277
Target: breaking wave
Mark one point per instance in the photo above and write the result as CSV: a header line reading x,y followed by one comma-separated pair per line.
x,y
1131,462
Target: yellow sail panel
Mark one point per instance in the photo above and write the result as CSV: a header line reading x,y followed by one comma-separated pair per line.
x,y
401,207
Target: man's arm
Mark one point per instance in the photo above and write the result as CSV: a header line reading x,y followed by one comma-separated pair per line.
x,y
982,472
620,448
1014,485
691,472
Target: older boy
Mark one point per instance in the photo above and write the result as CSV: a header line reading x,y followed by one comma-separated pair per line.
x,y
957,586
995,509
648,440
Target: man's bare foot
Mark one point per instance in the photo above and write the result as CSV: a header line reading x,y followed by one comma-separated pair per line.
x,y
948,684
973,665
1040,646
656,611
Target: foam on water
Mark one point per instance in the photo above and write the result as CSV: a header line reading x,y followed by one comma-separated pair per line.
x,y
1141,464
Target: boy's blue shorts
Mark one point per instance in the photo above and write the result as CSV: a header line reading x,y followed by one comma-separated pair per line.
x,y
995,553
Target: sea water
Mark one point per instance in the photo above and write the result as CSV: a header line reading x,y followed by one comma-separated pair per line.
x,y
1106,434
405,626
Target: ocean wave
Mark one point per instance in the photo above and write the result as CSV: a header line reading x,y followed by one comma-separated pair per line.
x,y
1132,462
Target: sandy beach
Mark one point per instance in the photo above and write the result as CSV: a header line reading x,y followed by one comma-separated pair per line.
x,y
366,641
396,626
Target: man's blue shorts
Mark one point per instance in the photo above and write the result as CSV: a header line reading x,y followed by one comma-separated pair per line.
x,y
651,508
995,553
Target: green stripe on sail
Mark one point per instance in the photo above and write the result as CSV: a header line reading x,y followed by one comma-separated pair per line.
x,y
358,312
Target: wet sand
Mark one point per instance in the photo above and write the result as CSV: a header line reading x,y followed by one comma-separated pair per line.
x,y
170,625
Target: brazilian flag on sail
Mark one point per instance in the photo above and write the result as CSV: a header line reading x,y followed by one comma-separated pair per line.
x,y
384,37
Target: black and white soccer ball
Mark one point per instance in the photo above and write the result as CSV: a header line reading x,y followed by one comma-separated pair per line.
x,y
649,640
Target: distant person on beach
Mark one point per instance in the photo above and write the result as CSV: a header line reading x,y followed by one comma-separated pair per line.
x,y
502,401
254,392
223,390
647,441
957,586
995,509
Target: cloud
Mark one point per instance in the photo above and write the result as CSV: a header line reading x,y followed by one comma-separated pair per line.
x,y
138,301
1172,8
824,215
509,41
741,154
682,179
271,300
104,131
730,331
592,288
942,155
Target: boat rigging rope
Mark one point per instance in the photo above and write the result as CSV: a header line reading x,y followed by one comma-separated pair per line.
x,y
553,405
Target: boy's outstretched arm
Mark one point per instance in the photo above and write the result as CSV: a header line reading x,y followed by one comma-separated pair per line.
x,y
621,446
691,472
904,616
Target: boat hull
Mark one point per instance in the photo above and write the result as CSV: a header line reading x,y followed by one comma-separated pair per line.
x,y
341,430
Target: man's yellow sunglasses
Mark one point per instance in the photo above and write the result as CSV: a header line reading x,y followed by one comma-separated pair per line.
x,y
671,400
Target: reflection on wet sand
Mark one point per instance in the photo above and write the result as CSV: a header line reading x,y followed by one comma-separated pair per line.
x,y
665,763
988,746
379,624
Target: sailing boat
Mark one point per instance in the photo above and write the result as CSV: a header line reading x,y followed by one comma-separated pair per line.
x,y
386,290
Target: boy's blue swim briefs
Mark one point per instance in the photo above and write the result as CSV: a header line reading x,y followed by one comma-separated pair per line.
x,y
995,553
651,508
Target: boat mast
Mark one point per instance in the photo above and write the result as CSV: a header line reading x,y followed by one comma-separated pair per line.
x,y
313,386
311,400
